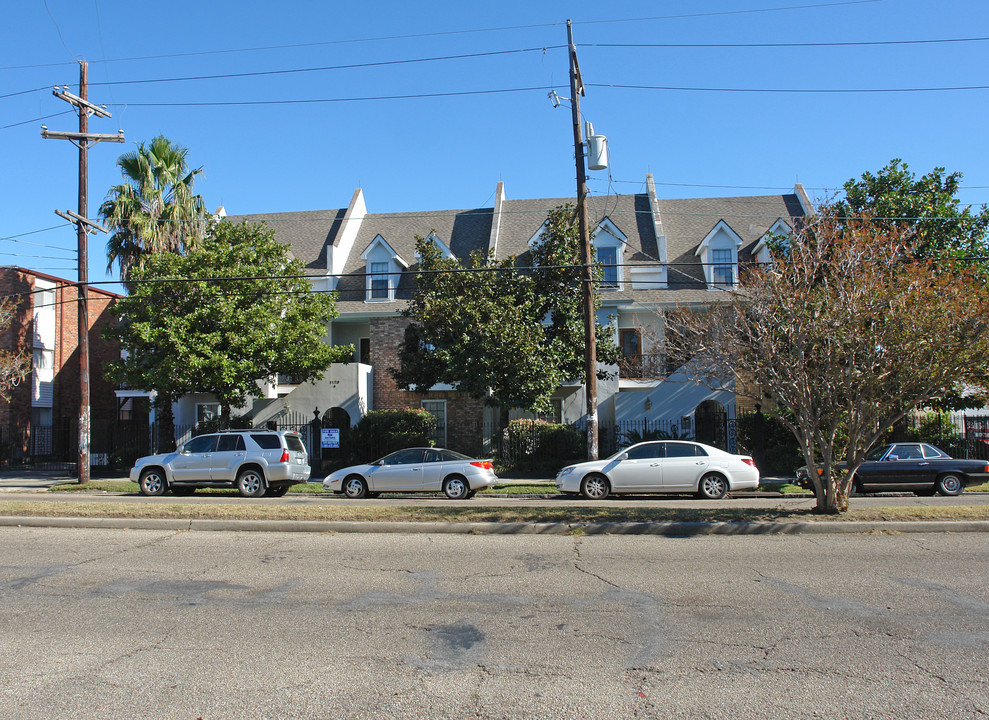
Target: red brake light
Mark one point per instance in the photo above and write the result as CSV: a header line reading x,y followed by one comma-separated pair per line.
x,y
483,464
748,461
284,456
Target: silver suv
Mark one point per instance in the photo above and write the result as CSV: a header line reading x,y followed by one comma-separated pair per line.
x,y
256,462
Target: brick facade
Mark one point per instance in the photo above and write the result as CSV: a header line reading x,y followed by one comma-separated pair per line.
x,y
19,284
464,415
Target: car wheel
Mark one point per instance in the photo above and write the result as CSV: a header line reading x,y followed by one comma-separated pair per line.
x,y
595,487
712,487
950,484
183,490
250,483
278,491
355,487
152,482
456,488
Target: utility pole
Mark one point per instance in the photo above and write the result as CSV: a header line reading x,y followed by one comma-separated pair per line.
x,y
82,140
586,261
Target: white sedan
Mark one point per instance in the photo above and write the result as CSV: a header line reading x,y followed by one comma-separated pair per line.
x,y
415,469
673,466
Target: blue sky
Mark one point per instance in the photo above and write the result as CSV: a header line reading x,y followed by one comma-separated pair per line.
x,y
444,152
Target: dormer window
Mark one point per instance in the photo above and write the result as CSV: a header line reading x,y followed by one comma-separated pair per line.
x,y
718,253
608,257
383,271
723,268
779,235
379,280
609,247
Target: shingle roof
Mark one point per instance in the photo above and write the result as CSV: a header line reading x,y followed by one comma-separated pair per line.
x,y
685,223
306,233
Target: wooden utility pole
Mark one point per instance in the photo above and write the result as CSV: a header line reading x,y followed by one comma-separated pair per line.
x,y
82,140
586,259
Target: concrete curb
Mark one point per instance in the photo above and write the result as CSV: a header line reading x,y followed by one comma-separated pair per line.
x,y
667,529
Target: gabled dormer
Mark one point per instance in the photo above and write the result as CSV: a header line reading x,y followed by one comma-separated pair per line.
x,y
609,250
444,249
383,270
780,232
718,253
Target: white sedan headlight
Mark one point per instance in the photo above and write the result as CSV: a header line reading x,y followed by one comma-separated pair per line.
x,y
565,471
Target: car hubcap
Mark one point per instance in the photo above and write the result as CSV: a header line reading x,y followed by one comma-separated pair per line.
x,y
595,488
153,483
353,488
951,484
252,483
712,486
456,488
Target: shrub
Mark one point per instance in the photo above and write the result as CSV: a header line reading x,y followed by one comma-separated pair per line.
x,y
535,446
384,431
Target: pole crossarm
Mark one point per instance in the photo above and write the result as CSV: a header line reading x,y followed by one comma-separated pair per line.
x,y
79,139
62,93
74,217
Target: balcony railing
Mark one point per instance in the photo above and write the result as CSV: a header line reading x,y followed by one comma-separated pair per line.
x,y
646,366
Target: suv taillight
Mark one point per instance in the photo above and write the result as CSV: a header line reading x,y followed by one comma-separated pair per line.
x,y
284,456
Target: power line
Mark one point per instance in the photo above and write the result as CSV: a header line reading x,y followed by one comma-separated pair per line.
x,y
413,36
788,90
411,96
290,71
28,122
863,43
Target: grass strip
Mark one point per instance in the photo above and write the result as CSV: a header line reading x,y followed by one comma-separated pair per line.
x,y
398,513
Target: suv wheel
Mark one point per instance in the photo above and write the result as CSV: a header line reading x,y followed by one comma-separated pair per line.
x,y
250,483
152,482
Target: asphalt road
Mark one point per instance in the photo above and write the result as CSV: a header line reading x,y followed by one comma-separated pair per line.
x,y
126,624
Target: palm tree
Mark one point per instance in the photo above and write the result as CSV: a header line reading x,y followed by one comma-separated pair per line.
x,y
154,209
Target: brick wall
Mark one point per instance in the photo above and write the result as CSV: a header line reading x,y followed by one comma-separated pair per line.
x,y
65,398
464,414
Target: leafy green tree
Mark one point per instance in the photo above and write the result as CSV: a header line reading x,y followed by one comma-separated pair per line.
x,y
499,331
154,210
926,207
232,311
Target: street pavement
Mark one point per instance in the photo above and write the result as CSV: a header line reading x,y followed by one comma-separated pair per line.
x,y
123,624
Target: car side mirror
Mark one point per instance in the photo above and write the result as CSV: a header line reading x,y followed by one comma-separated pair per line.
x,y
892,457
623,456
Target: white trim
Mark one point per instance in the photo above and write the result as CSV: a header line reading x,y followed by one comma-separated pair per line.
x,y
379,251
778,228
607,236
444,249
338,252
721,229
